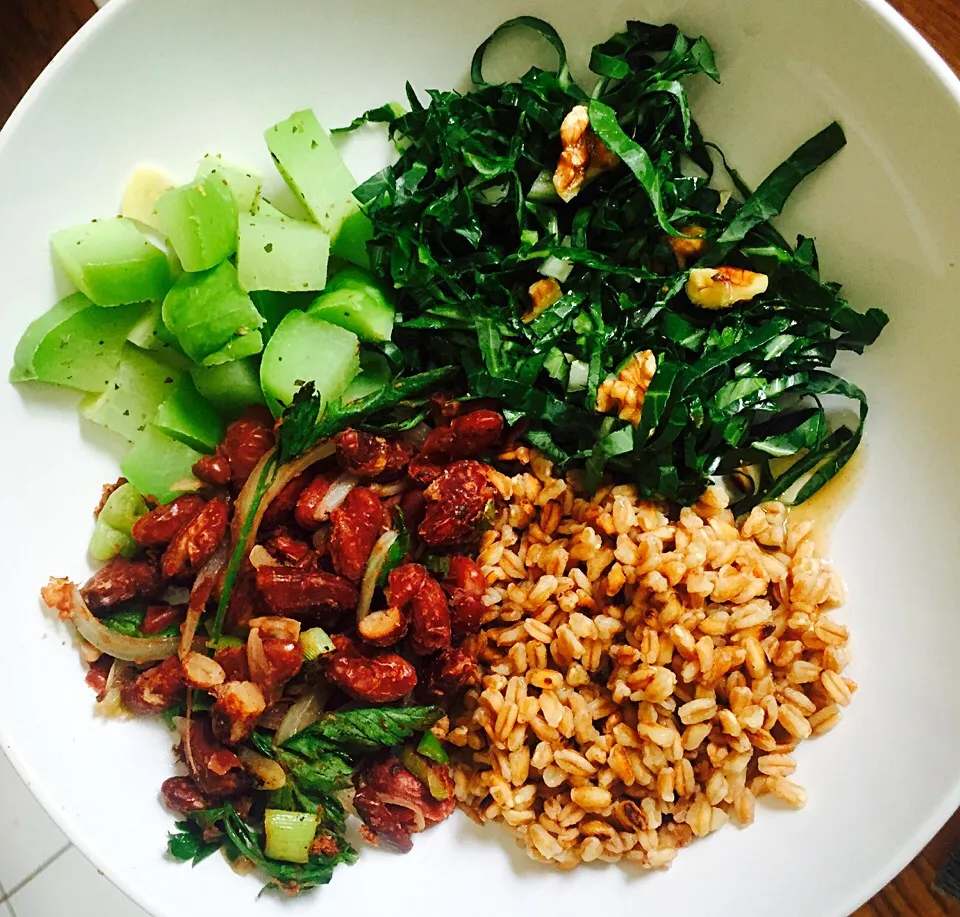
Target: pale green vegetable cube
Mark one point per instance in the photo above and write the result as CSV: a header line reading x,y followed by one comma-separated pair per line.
x,y
75,344
351,241
313,168
239,348
160,467
111,534
106,542
144,188
306,349
288,835
374,375
122,508
283,255
368,316
229,387
263,208
144,334
208,311
188,417
245,184
138,386
149,333
112,262
200,220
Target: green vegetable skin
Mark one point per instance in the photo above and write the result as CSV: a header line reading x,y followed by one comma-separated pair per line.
x,y
244,184
306,349
281,254
317,175
189,418
315,643
431,748
111,532
229,387
135,391
212,317
160,466
200,220
112,262
74,344
106,542
353,300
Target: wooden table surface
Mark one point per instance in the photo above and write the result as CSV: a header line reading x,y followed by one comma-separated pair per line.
x,y
32,31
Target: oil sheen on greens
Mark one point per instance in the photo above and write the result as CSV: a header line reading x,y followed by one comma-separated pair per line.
x,y
459,234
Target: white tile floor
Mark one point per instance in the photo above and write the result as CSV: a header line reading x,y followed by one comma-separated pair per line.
x,y
41,873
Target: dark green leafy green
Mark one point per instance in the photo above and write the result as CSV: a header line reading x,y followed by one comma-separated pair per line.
x,y
267,475
188,843
306,421
128,621
288,877
398,550
362,730
467,214
768,200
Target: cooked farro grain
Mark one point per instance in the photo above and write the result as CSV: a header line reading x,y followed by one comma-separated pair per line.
x,y
645,677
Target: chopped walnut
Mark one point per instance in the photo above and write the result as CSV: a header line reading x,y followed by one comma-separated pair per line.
x,y
721,287
623,394
584,156
201,671
237,708
543,294
690,246
384,628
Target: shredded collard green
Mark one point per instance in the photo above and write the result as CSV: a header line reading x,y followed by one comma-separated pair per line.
x,y
466,216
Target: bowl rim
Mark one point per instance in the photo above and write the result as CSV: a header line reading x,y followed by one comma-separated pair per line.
x,y
859,892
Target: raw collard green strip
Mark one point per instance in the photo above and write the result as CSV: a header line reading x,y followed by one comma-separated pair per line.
x,y
459,236
768,200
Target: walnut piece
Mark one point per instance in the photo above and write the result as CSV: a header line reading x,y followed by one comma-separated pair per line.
x,y
722,287
584,156
543,294
623,394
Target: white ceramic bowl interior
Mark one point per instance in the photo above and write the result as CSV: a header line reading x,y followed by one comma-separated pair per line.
x,y
165,81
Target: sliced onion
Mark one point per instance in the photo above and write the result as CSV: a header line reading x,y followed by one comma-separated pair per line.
x,y
273,716
368,584
260,557
243,866
270,774
406,804
390,490
241,508
416,436
111,704
176,595
304,712
186,742
200,594
277,627
336,493
285,474
257,660
63,597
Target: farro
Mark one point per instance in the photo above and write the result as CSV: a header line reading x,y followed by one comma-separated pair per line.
x,y
645,679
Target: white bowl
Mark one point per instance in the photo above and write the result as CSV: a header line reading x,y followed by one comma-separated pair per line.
x,y
165,81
